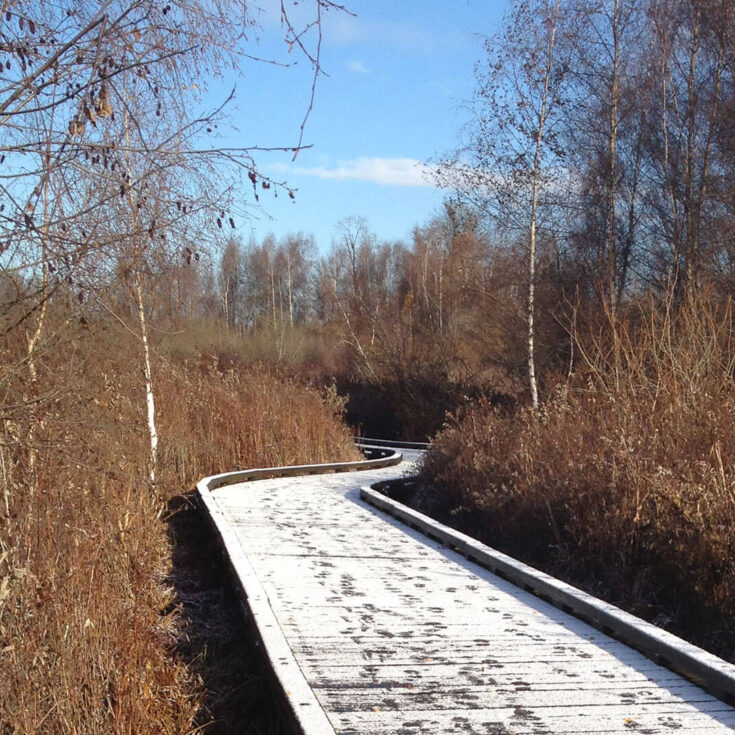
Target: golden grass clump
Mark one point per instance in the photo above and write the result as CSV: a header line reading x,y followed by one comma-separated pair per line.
x,y
88,631
625,482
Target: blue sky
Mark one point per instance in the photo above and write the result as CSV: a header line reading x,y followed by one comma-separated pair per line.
x,y
399,72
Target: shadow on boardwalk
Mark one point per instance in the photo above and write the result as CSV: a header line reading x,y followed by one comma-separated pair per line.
x,y
216,640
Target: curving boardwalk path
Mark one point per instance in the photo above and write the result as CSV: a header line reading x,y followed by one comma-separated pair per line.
x,y
373,628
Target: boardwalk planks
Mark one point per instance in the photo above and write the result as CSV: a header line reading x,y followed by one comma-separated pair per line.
x,y
373,628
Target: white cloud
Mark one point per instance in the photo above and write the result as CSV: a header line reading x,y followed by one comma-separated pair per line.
x,y
384,171
345,29
358,67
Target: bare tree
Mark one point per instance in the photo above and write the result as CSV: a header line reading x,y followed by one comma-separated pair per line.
x,y
230,281
604,132
107,101
695,47
513,154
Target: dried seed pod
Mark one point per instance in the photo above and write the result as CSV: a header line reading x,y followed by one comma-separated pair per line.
x,y
77,127
102,104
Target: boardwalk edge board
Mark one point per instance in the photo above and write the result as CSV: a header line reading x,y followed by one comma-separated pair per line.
x,y
365,441
703,668
383,458
304,708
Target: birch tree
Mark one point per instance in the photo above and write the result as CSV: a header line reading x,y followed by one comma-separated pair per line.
x,y
230,282
106,98
512,157
694,45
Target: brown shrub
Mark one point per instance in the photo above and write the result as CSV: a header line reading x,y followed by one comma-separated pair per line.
x,y
87,628
625,483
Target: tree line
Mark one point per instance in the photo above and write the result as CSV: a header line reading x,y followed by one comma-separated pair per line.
x,y
596,165
445,302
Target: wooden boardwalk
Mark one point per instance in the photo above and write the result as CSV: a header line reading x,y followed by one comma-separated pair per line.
x,y
373,628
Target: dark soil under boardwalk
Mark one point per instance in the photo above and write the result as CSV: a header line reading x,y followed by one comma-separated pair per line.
x,y
217,640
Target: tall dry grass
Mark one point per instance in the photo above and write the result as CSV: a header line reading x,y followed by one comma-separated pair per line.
x,y
89,625
625,483
309,350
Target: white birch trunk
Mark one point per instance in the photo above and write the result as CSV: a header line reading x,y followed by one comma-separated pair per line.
x,y
531,295
289,285
536,180
32,342
612,254
692,93
148,377
143,326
